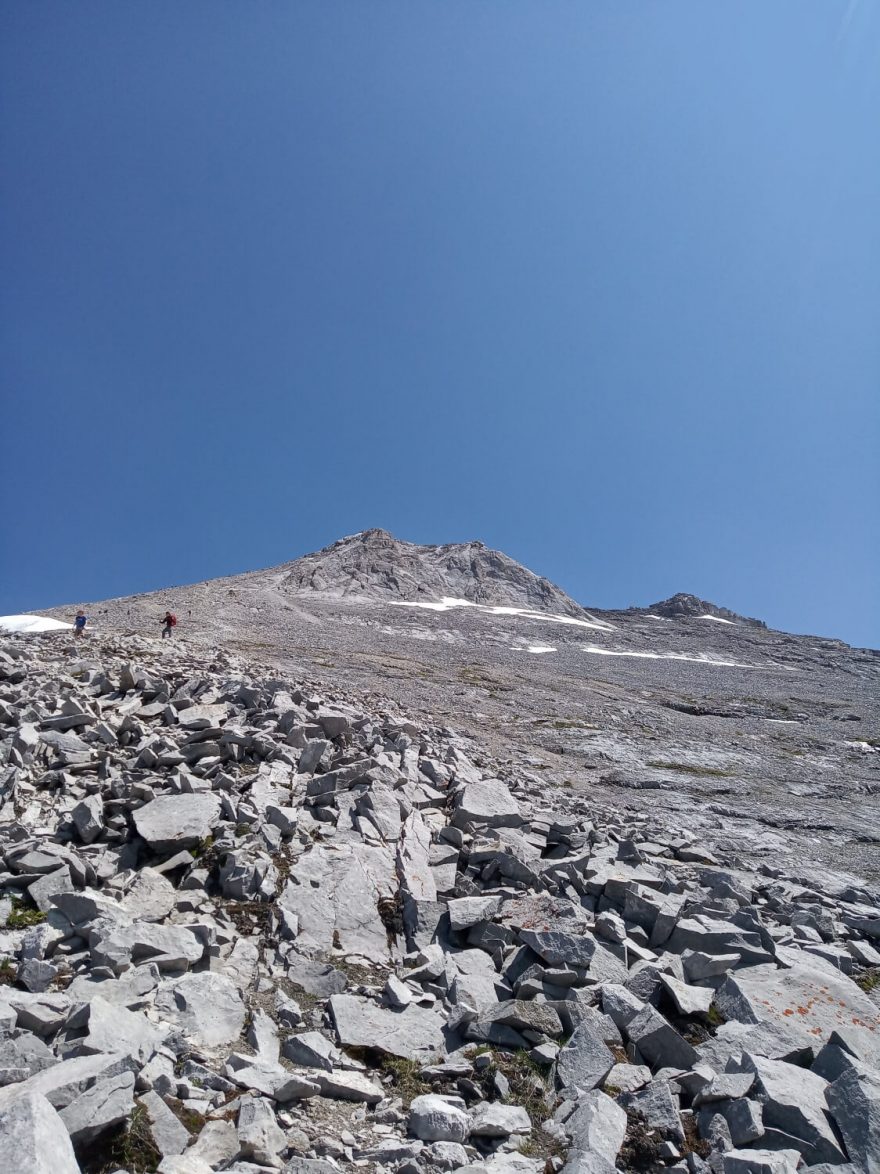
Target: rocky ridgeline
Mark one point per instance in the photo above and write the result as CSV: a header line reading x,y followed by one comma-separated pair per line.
x,y
249,928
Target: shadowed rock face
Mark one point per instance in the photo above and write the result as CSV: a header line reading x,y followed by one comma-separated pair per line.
x,y
376,565
683,605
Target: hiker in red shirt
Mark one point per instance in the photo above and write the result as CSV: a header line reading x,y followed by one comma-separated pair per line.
x,y
169,621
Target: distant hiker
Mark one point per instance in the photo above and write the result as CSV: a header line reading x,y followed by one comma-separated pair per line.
x,y
169,621
79,625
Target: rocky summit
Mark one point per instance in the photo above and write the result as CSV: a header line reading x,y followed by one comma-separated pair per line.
x,y
268,905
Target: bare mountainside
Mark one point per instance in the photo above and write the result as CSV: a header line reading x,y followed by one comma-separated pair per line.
x,y
766,742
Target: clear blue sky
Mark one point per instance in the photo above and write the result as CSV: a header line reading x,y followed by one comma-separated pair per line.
x,y
595,282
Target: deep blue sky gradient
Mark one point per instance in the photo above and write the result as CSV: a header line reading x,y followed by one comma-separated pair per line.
x,y
597,283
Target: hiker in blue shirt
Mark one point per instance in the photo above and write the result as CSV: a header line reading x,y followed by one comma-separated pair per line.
x,y
79,625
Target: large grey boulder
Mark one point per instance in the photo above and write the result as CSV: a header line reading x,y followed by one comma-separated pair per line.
x,y
260,1137
487,803
413,1032
801,1006
493,1119
854,1100
335,894
343,1085
597,1126
110,1028
467,911
559,948
108,1103
168,1134
172,822
658,1042
64,1082
33,1138
437,1118
170,947
757,1161
793,1101
585,1060
206,1007
88,818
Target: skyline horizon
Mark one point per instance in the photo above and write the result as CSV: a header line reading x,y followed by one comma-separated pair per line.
x,y
573,594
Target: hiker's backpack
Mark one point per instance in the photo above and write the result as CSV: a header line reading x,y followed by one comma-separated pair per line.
x,y
174,621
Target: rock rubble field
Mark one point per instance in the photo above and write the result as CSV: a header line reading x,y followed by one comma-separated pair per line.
x,y
246,926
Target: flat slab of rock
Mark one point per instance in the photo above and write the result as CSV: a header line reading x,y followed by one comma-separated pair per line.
x,y
177,821
487,803
437,1118
33,1138
413,1032
206,1006
585,1060
802,1006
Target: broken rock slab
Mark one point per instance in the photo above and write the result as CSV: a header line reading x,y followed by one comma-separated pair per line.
x,y
802,1005
438,1118
172,822
487,803
206,1006
413,1032
33,1138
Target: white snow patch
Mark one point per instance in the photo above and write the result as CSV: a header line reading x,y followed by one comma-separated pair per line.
x,y
447,603
717,619
663,619
700,658
538,648
32,624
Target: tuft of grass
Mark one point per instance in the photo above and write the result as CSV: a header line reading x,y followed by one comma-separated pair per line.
x,y
529,1087
8,972
868,980
23,915
709,772
405,1079
130,1148
641,1145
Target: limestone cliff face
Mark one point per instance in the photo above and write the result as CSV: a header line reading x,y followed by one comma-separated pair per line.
x,y
376,565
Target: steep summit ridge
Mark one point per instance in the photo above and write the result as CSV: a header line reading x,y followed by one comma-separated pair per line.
x,y
375,565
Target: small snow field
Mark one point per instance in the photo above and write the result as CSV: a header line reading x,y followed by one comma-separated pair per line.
x,y
30,624
448,604
717,619
701,658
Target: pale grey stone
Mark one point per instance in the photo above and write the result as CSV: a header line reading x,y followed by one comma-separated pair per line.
x,y
658,1042
438,1118
585,1061
756,1161
830,1001
177,821
793,1100
108,1103
169,1135
598,1126
206,1006
413,1033
259,1135
88,818
487,803
348,1086
493,1119
854,1100
33,1137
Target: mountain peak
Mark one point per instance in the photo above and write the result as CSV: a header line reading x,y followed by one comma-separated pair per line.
x,y
374,564
685,606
